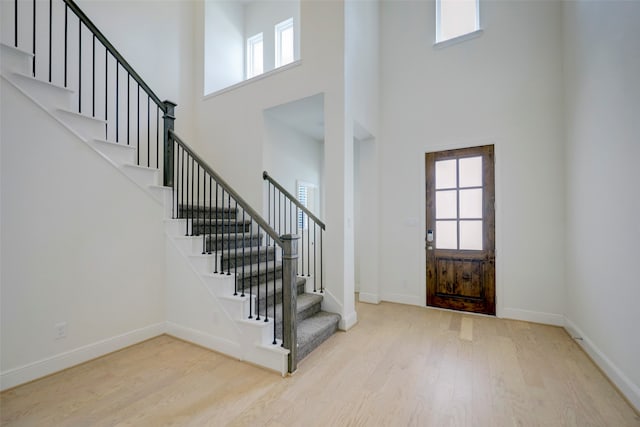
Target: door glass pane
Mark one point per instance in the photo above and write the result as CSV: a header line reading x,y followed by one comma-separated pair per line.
x,y
446,204
470,203
471,172
446,235
446,174
471,235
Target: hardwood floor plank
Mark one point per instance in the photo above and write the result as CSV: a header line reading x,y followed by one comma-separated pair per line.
x,y
399,366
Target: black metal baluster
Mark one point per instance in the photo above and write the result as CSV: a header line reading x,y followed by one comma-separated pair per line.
x,y
212,214
235,261
251,269
229,231
118,103
297,233
93,76
186,206
274,211
79,65
266,260
128,105
66,15
106,84
148,133
50,35
192,204
34,38
279,212
15,19
308,251
226,225
138,124
302,246
315,260
290,217
219,236
158,137
179,206
207,211
243,264
196,201
321,270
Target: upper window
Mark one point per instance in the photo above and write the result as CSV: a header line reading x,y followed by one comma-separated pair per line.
x,y
255,63
455,18
284,43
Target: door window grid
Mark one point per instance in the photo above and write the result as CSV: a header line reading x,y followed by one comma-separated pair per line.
x,y
459,195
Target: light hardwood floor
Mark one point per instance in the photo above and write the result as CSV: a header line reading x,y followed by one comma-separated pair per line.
x,y
400,366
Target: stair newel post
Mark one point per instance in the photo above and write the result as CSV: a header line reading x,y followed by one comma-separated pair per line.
x,y
290,296
169,119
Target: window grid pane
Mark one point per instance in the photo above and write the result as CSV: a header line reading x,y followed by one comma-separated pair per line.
x,y
447,234
470,172
446,171
459,208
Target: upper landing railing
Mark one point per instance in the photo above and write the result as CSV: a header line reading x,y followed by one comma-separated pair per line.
x,y
69,50
286,214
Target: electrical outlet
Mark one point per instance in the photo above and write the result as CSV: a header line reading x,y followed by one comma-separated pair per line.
x,y
61,330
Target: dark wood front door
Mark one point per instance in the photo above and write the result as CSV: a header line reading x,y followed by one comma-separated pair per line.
x,y
460,234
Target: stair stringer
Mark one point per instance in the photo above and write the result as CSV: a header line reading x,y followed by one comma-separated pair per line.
x,y
201,308
14,74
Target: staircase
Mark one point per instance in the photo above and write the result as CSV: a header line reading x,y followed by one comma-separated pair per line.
x,y
225,253
243,255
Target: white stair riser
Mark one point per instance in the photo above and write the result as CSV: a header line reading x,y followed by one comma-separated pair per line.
x,y
165,196
237,307
15,60
143,176
119,153
175,227
202,263
50,96
270,356
222,285
87,127
257,331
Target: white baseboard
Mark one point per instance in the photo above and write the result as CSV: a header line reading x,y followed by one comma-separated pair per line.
x,y
403,299
230,348
59,362
630,390
369,298
533,316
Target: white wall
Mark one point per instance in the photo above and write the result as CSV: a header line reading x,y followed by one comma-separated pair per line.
x,y
503,88
230,128
602,65
81,244
224,44
362,78
290,156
